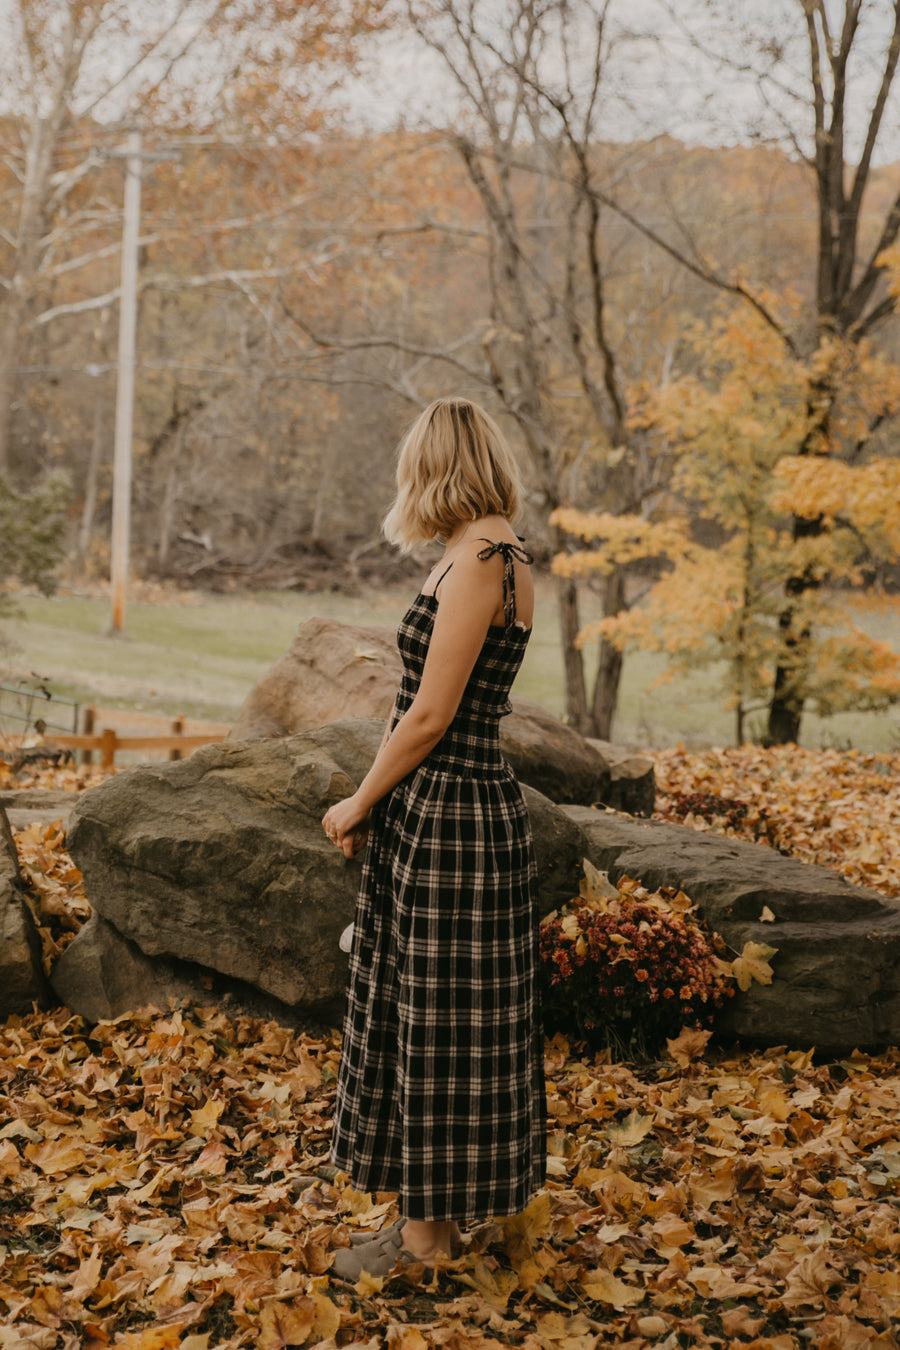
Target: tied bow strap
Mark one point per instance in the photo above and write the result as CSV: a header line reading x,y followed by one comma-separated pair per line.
x,y
509,554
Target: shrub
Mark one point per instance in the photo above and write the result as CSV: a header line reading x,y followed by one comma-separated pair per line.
x,y
624,969
32,533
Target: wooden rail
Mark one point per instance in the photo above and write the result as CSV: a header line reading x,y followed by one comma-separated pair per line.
x,y
109,743
164,734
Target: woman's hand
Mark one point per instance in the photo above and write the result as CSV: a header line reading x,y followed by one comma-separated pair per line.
x,y
347,826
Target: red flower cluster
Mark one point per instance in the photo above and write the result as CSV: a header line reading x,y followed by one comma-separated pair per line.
x,y
627,974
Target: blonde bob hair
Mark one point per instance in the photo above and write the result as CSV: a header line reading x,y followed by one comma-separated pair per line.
x,y
454,465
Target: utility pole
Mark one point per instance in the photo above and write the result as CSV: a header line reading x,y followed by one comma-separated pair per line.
x,y
121,516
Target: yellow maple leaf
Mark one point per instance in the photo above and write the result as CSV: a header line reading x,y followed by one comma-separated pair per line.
x,y
401,1337
56,1156
596,886
206,1117
367,1284
283,1324
706,1188
687,1045
495,1287
604,1287
753,964
631,1130
153,1338
673,1231
328,1318
10,1162
532,1223
87,1276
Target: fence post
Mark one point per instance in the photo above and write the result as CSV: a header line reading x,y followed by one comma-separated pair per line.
x,y
177,730
87,756
108,748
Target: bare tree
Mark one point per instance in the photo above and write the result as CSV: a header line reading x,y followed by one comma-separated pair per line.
x,y
548,348
75,70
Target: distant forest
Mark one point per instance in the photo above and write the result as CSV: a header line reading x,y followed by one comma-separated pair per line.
x,y
298,306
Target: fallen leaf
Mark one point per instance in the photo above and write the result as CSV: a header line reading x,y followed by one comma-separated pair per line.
x,y
630,1131
753,964
605,1287
283,1324
689,1044
810,1280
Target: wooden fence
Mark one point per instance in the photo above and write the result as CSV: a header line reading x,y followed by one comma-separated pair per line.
x,y
108,742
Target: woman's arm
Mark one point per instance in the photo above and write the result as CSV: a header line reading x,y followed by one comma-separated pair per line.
x,y
470,595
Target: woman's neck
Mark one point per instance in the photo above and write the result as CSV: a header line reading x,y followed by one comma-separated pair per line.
x,y
461,532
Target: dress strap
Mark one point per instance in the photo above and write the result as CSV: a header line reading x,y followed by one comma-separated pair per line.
x,y
510,553
433,590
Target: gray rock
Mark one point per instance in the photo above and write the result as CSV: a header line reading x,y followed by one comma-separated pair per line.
x,y
22,980
329,669
213,879
333,668
632,779
103,975
216,868
35,804
560,846
553,758
836,978
220,859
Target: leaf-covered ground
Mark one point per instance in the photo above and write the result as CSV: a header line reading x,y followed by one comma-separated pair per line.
x,y
164,1178
838,808
164,1181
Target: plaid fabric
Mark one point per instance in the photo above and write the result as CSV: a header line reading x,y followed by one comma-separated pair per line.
x,y
440,1092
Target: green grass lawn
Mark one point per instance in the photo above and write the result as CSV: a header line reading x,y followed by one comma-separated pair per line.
x,y
202,658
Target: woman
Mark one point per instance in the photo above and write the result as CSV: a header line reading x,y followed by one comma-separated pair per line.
x,y
440,1093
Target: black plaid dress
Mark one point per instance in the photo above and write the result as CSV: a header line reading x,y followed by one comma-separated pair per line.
x,y
440,1094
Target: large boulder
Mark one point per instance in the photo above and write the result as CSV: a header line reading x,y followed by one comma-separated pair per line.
x,y
22,981
333,668
836,978
102,974
632,779
330,669
212,877
216,868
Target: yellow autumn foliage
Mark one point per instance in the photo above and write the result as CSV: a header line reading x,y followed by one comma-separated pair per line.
x,y
758,437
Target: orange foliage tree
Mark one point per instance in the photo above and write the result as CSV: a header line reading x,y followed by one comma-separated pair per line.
x,y
738,429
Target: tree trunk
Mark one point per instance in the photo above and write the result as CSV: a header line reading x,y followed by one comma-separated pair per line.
x,y
43,140
18,298
786,707
609,669
169,498
89,509
576,691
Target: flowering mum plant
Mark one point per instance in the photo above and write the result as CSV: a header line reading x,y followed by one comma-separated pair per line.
x,y
626,969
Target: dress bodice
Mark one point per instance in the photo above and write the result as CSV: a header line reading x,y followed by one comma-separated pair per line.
x,y
471,743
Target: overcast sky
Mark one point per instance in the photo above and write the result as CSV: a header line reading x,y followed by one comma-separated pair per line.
x,y
663,75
